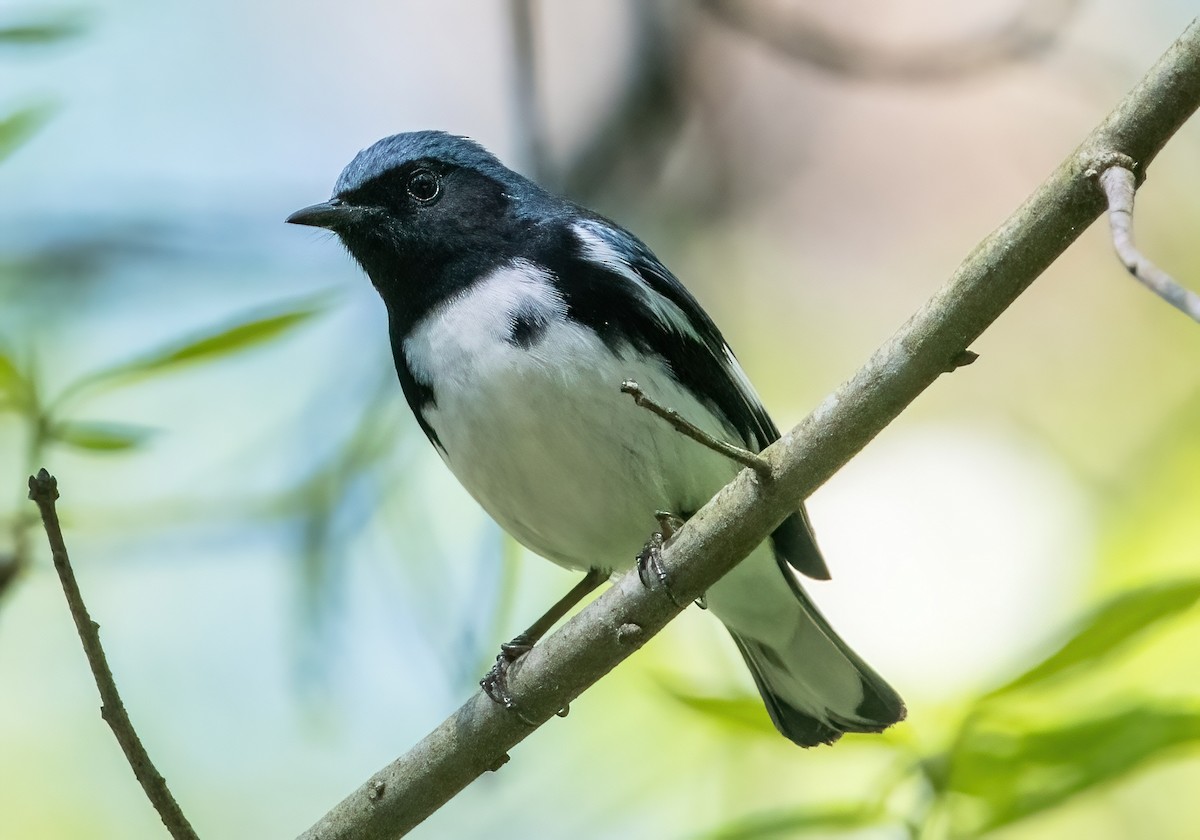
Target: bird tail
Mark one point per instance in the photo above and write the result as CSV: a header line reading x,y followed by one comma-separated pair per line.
x,y
814,686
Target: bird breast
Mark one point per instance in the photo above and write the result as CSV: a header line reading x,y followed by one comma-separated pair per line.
x,y
528,409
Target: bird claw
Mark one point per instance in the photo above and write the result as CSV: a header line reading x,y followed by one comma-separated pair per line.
x,y
649,559
495,685
495,681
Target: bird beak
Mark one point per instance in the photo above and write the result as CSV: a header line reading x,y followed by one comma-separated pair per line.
x,y
331,214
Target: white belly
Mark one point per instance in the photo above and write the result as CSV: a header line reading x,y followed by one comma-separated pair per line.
x,y
542,436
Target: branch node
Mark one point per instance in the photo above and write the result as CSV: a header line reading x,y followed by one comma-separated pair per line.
x,y
760,465
1100,162
629,634
377,788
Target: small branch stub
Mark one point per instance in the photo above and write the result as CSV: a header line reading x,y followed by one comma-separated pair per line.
x,y
1116,177
629,634
961,359
745,457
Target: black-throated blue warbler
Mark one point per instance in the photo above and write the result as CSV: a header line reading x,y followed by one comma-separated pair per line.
x,y
514,317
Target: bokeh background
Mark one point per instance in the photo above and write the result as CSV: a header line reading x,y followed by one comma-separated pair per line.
x,y
291,587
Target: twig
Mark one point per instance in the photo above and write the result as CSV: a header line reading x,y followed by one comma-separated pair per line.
x,y
531,128
640,132
43,490
479,735
685,427
1033,27
1119,185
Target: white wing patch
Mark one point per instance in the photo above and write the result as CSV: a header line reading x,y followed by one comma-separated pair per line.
x,y
598,248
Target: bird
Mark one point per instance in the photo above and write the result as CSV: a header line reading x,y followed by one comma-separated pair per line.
x,y
514,316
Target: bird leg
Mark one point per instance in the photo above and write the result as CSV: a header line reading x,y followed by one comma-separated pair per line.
x,y
649,559
495,682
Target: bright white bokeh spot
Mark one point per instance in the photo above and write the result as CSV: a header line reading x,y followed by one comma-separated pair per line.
x,y
956,554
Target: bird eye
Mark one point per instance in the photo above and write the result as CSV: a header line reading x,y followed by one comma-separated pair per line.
x,y
424,186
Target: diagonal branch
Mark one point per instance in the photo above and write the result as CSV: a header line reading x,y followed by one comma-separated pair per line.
x,y
477,737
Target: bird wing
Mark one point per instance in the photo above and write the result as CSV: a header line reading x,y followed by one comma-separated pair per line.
x,y
658,314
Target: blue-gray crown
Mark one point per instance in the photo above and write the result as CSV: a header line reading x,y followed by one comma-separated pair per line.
x,y
398,149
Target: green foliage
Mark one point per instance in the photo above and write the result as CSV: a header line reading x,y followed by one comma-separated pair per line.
x,y
50,30
1018,773
98,436
1004,765
740,713
1149,520
209,345
15,391
20,125
794,822
47,424
223,342
1110,627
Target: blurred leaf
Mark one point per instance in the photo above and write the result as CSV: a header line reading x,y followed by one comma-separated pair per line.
x,y
207,346
1111,626
1150,527
100,437
15,390
223,343
783,824
745,712
1015,775
46,31
19,126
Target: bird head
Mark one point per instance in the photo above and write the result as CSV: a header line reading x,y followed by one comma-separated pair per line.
x,y
413,203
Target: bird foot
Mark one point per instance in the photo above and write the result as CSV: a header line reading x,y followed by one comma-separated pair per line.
x,y
495,686
495,681
649,560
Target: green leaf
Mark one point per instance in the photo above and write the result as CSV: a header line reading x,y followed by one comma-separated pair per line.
x,y
100,437
224,342
216,343
1013,775
786,823
19,126
15,390
46,31
1111,626
744,712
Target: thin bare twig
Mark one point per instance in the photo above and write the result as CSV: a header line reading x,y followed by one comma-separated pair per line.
x,y
1119,185
638,134
531,128
43,490
685,427
1031,29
